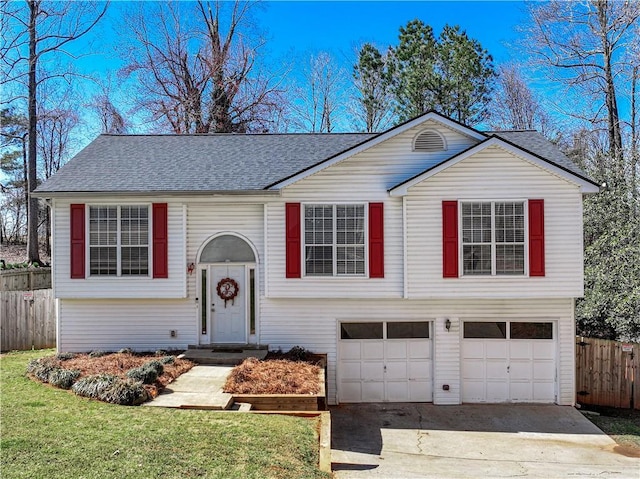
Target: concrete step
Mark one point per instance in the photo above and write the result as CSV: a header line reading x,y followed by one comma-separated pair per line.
x,y
229,347
211,357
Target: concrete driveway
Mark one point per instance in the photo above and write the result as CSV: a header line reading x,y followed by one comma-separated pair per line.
x,y
392,440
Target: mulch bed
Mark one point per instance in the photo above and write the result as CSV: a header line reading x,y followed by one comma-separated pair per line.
x,y
119,363
273,376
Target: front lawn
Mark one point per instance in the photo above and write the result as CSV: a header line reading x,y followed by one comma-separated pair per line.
x,y
52,433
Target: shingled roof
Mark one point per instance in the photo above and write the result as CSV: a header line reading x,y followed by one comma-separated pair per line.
x,y
194,163
226,163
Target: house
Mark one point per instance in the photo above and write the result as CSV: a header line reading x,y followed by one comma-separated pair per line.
x,y
431,262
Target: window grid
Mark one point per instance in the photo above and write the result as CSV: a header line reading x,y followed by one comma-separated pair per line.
x,y
334,237
493,238
119,240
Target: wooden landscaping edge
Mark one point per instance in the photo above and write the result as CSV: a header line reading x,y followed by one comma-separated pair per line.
x,y
287,402
324,461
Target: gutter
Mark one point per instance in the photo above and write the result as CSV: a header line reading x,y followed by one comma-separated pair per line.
x,y
111,194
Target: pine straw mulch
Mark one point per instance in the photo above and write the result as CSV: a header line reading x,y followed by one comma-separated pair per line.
x,y
119,363
273,376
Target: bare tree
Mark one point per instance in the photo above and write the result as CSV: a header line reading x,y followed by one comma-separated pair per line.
x,y
195,75
43,30
585,46
515,106
320,98
111,119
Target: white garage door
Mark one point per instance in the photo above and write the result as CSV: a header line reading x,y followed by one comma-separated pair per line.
x,y
508,361
385,361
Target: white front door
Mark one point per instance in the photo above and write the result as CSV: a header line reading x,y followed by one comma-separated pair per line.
x,y
228,318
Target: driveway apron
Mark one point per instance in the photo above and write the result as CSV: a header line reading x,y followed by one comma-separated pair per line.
x,y
394,440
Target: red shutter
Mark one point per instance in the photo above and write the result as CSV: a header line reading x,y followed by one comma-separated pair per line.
x,y
376,240
77,241
449,239
536,237
160,241
293,261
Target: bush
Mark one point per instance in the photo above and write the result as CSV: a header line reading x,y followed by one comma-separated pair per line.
x,y
125,392
97,353
168,360
42,367
65,356
63,378
147,373
160,352
298,353
126,351
94,386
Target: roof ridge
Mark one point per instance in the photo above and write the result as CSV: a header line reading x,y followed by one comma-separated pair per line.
x,y
239,135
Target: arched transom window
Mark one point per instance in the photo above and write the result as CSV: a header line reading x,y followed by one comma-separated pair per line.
x,y
227,249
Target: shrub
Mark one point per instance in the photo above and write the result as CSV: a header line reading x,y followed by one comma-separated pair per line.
x,y
147,373
126,351
94,386
97,353
168,360
65,356
42,367
298,353
63,378
160,352
125,392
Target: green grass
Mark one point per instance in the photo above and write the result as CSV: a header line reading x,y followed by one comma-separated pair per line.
x,y
623,425
47,432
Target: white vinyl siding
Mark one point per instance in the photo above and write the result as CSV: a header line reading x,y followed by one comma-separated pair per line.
x,y
127,286
494,175
113,324
363,178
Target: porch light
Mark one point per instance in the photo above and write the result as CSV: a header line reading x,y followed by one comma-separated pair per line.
x,y
447,324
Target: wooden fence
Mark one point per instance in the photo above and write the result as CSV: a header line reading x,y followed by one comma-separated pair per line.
x,y
607,373
25,279
27,320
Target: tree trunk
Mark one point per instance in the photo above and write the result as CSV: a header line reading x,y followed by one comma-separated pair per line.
x,y
32,223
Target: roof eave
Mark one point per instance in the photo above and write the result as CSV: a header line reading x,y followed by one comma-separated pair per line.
x,y
173,193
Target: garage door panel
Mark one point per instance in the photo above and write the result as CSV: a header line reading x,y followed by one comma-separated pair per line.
x,y
397,370
396,349
544,370
372,350
397,391
544,391
520,350
350,350
472,369
474,391
372,370
351,391
544,350
420,390
496,369
351,370
496,349
520,370
372,391
497,391
521,391
420,369
473,349
420,349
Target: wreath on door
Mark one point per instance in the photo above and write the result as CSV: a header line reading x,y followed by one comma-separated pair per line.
x,y
227,289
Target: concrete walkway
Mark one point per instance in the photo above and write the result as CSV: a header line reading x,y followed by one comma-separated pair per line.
x,y
198,388
395,440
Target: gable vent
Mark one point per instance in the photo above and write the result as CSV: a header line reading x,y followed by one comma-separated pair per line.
x,y
429,140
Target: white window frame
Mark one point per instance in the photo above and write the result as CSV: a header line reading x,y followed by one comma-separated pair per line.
x,y
493,244
118,244
334,243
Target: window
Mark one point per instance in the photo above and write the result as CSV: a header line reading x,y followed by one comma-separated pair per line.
x,y
404,330
516,329
361,331
334,240
493,238
119,240
494,330
531,330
